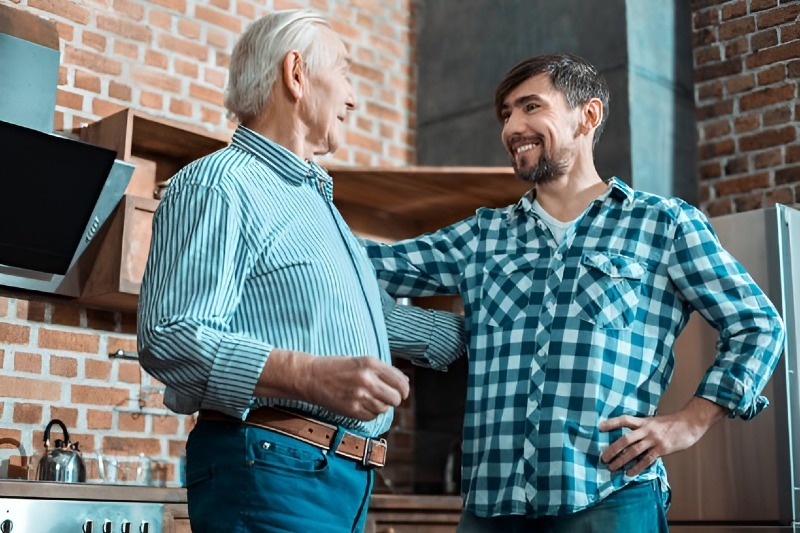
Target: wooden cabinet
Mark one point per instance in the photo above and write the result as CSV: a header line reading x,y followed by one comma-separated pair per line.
x,y
413,514
116,259
176,518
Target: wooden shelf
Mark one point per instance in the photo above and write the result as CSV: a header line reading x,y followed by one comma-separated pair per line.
x,y
158,147
400,202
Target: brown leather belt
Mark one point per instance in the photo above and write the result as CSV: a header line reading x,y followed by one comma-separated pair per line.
x,y
370,452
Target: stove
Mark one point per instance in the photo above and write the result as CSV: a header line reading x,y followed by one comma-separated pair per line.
x,y
29,515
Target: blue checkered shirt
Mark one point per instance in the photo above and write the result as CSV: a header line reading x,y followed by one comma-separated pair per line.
x,y
565,336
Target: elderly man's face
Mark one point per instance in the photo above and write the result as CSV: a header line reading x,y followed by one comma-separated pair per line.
x,y
330,95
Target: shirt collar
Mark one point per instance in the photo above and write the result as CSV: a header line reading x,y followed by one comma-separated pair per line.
x,y
282,161
617,189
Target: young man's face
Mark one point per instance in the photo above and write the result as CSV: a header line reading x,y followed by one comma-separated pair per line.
x,y
330,95
539,130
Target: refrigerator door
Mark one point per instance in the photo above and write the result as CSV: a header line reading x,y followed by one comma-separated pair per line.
x,y
739,471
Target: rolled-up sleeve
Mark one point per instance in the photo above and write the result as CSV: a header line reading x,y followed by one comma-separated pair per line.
x,y
751,333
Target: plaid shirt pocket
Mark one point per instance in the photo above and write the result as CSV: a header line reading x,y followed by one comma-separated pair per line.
x,y
607,294
506,290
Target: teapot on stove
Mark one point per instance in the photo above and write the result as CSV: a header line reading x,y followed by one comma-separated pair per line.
x,y
63,462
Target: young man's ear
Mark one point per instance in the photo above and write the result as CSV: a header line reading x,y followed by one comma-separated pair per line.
x,y
294,78
592,115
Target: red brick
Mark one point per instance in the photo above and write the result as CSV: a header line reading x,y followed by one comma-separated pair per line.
x,y
710,170
96,419
781,15
128,323
772,75
130,9
737,165
69,99
94,369
777,116
746,123
764,39
3,306
151,100
65,315
30,389
68,340
793,154
768,159
715,110
172,5
127,49
734,10
749,202
768,96
723,147
27,413
741,83
167,425
129,372
737,47
179,106
206,94
11,436
62,8
14,334
67,415
775,54
155,78
63,366
707,54
767,139
28,362
110,396
189,29
131,445
183,47
153,58
742,185
130,422
93,40
97,319
708,90
779,196
736,28
87,81
790,32
124,27
787,175
98,63
719,207
760,5
103,108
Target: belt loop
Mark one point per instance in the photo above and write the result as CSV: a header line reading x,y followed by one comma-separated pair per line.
x,y
337,438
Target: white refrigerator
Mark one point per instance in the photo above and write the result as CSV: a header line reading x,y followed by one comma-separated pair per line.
x,y
744,477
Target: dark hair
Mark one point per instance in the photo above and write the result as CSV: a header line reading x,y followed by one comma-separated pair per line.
x,y
577,79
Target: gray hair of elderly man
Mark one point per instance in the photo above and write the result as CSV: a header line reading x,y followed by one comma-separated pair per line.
x,y
258,55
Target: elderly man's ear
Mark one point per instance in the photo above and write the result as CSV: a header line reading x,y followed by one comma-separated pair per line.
x,y
294,76
591,116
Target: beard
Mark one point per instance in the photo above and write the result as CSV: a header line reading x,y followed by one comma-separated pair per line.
x,y
546,170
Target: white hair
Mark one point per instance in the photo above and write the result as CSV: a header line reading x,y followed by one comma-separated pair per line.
x,y
257,58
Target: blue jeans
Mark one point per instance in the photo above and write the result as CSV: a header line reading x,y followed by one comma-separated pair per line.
x,y
637,508
244,479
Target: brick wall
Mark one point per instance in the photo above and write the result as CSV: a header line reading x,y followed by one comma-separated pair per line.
x,y
747,67
169,58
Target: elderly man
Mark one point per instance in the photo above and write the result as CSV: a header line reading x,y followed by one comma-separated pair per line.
x,y
573,299
260,309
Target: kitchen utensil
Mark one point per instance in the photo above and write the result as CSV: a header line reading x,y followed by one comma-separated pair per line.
x,y
63,462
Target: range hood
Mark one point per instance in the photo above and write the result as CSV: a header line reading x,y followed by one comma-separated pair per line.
x,y
55,191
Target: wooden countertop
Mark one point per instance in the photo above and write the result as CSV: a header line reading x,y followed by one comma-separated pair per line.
x,y
134,493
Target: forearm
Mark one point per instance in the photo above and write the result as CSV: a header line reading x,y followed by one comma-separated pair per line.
x,y
699,414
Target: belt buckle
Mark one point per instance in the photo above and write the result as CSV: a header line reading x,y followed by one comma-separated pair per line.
x,y
367,452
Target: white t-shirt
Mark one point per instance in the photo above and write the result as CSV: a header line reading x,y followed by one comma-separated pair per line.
x,y
556,227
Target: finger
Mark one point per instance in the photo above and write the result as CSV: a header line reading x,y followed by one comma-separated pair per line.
x,y
624,421
646,460
628,454
395,379
617,447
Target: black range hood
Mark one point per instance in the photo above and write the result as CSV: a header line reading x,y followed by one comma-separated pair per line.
x,y
55,193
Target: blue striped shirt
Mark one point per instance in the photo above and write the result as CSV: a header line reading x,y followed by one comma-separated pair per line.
x,y
563,336
249,253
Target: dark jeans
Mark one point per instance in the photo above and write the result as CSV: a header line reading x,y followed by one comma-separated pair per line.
x,y
244,479
638,508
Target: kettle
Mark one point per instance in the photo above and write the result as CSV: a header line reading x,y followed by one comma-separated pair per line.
x,y
64,462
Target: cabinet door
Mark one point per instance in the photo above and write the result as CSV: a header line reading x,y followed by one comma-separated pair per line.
x,y
119,256
176,518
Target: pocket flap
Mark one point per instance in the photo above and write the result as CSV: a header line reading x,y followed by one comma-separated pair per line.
x,y
615,266
508,264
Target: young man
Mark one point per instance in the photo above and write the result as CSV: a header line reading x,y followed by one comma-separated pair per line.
x,y
573,299
256,295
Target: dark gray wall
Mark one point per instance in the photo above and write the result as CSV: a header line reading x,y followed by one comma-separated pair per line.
x,y
466,46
